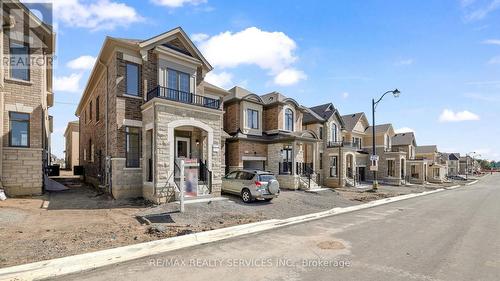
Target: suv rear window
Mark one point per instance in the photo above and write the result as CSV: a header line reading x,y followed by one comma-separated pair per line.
x,y
245,176
266,178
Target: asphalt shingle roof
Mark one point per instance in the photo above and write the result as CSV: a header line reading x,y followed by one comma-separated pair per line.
x,y
378,128
403,139
426,149
351,120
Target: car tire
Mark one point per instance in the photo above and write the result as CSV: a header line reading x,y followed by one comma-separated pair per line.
x,y
246,196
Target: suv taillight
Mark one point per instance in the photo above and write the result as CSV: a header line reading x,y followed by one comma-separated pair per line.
x,y
258,184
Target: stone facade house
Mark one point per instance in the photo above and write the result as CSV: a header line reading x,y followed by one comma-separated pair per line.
x,y
392,162
338,155
266,133
416,169
27,45
436,169
72,145
354,136
145,108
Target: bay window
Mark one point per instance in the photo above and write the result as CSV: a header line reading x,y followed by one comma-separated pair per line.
x,y
252,119
288,119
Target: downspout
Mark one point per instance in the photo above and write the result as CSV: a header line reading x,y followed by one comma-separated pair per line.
x,y
106,178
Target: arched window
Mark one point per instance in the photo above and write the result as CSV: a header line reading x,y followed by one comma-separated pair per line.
x,y
334,132
288,119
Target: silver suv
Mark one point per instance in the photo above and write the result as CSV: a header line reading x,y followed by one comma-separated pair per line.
x,y
251,185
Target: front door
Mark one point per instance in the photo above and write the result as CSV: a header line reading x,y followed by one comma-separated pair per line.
x,y
361,173
182,148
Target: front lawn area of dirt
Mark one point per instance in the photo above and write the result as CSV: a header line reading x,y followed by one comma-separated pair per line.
x,y
81,219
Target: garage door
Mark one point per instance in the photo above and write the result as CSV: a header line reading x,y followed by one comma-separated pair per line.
x,y
253,165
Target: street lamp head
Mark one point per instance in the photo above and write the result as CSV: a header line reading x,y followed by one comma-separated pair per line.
x,y
396,93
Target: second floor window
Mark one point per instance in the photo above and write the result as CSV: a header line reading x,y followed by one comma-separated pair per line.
x,y
356,142
20,56
19,129
178,85
334,132
320,133
132,79
90,111
97,109
288,119
252,119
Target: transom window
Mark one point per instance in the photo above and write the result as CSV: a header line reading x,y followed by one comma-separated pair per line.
x,y
19,68
19,129
288,119
252,119
132,79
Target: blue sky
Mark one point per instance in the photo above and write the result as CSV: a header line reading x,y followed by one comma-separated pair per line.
x,y
443,55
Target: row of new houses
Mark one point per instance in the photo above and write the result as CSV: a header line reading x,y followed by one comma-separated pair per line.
x,y
146,105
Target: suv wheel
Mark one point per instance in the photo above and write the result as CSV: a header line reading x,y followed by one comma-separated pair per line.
x,y
246,196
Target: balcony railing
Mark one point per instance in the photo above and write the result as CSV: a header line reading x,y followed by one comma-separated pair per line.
x,y
333,144
184,97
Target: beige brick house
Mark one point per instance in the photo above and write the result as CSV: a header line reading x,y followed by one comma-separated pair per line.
x,y
416,168
266,133
145,107
72,145
27,46
340,155
392,162
436,169
354,136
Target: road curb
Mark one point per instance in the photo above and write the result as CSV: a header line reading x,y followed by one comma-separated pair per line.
x,y
471,183
89,261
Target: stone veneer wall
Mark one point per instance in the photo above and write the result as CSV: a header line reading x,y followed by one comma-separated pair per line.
x,y
167,112
126,182
22,171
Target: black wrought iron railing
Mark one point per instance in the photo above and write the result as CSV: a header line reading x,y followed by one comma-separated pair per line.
x,y
184,97
205,175
332,144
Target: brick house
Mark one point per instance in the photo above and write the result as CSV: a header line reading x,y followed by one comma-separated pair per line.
x,y
436,169
354,136
416,168
27,46
146,105
266,133
72,145
392,162
338,153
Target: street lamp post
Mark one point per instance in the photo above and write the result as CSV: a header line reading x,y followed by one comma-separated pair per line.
x,y
396,94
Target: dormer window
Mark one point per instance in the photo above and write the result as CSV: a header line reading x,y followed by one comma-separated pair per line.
x,y
288,119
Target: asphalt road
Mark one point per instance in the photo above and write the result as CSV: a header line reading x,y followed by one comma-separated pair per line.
x,y
452,235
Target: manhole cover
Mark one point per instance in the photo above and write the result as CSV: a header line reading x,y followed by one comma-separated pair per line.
x,y
331,245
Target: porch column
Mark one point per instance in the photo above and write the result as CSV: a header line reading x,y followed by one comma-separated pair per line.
x,y
294,158
314,152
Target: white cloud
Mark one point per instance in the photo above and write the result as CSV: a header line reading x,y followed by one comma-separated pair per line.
x,y
405,62
450,116
82,63
271,51
494,60
199,37
69,83
223,79
345,95
289,77
404,130
474,13
96,15
492,42
177,3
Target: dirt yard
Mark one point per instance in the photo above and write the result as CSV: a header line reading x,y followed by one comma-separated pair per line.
x,y
81,220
